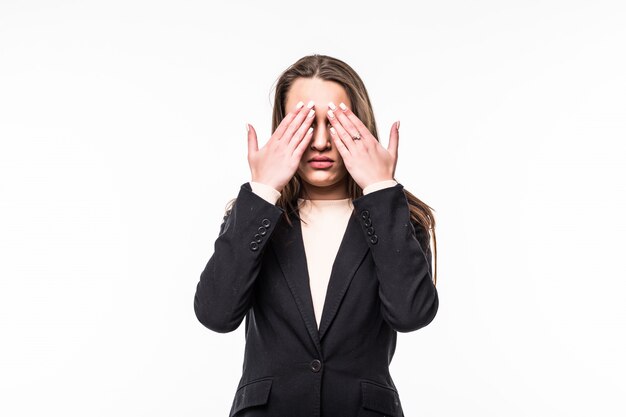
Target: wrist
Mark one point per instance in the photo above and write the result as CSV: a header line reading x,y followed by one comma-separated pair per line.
x,y
379,185
264,181
265,191
267,184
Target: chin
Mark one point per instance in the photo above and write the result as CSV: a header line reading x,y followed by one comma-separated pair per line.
x,y
318,183
320,178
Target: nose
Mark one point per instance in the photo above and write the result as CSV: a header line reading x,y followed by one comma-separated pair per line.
x,y
321,138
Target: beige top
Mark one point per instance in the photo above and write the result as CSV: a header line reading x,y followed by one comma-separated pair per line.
x,y
324,223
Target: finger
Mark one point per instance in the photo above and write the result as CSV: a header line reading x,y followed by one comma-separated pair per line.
x,y
394,136
302,145
347,124
280,130
297,121
253,145
341,147
294,141
366,135
347,140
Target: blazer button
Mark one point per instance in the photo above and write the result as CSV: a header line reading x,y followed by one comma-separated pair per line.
x,y
257,238
265,222
254,245
365,214
262,231
316,365
367,222
370,231
374,239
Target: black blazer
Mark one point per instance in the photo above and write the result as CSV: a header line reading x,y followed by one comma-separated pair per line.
x,y
380,284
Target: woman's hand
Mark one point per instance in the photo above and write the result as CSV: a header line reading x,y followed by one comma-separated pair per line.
x,y
278,160
366,159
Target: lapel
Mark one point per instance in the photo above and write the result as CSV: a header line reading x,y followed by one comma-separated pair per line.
x,y
288,245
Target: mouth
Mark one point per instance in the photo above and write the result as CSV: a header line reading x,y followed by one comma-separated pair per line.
x,y
320,163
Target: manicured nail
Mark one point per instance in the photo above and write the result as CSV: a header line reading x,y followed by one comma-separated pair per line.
x,y
247,127
333,131
332,106
398,125
343,106
299,105
331,115
309,131
311,103
311,113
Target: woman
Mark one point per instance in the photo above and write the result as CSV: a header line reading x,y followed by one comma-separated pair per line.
x,y
323,252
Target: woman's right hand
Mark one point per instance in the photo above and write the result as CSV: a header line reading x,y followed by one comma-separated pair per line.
x,y
278,160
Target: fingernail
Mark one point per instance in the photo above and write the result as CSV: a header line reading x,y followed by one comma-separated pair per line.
x,y
333,131
331,114
332,106
311,113
398,125
247,127
299,105
311,103
343,106
309,131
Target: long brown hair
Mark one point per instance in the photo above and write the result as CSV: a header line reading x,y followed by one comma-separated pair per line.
x,y
332,69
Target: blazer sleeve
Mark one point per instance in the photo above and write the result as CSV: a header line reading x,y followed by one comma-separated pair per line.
x,y
223,294
401,253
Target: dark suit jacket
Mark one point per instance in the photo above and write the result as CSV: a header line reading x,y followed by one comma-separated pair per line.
x,y
380,284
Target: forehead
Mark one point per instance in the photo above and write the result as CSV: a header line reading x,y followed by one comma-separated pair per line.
x,y
320,91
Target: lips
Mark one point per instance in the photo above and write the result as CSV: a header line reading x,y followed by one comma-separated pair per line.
x,y
317,163
320,159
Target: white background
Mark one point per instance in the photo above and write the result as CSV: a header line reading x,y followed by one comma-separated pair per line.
x,y
123,138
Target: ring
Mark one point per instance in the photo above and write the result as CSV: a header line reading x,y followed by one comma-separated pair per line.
x,y
357,137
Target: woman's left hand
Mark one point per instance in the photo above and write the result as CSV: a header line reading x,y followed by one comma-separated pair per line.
x,y
366,159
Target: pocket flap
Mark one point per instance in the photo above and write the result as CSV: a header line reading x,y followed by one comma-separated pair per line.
x,y
380,398
253,393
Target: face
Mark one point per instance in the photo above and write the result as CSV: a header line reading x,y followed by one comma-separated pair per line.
x,y
320,179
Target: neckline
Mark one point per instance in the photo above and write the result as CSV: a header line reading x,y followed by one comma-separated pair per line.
x,y
336,204
322,200
341,202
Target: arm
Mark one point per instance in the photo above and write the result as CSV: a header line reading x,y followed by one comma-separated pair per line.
x,y
409,299
268,192
379,186
224,292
